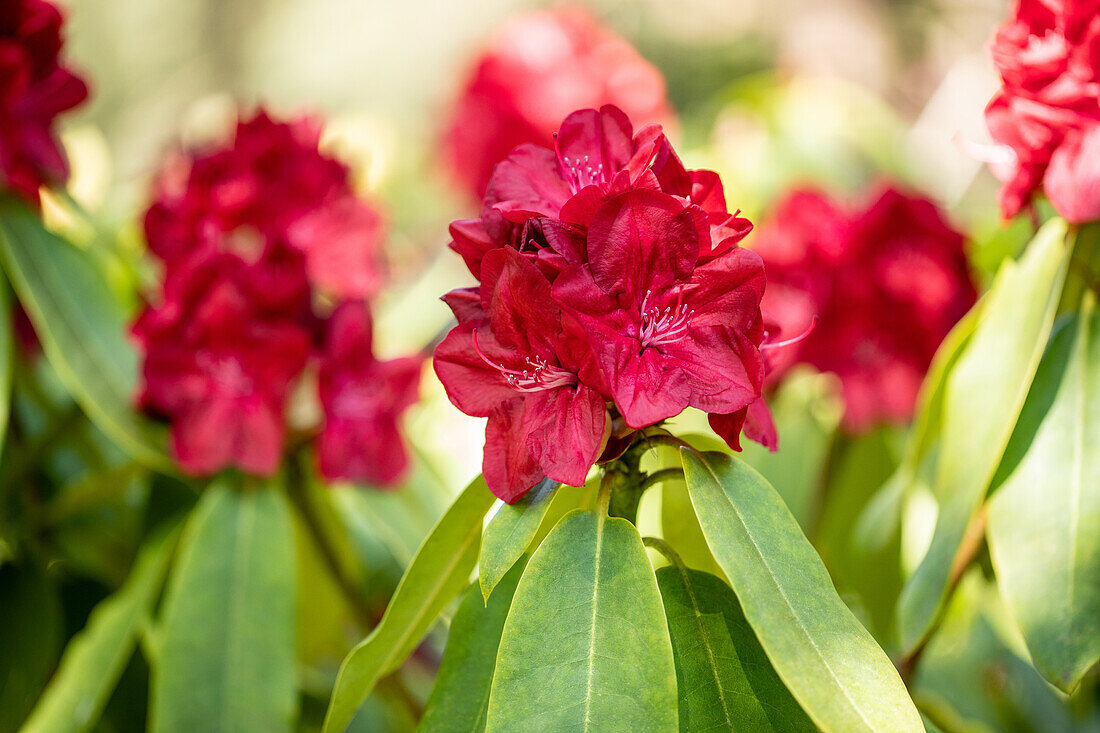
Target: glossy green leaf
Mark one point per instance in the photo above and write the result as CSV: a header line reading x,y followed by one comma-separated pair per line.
x,y
438,573
1044,520
460,698
7,360
96,657
82,327
226,658
586,645
509,533
982,400
830,663
724,679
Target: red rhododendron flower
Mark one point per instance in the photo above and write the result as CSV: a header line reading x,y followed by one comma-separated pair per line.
x,y
271,199
520,366
541,201
1046,117
886,284
541,67
220,371
612,291
34,89
667,332
363,398
250,235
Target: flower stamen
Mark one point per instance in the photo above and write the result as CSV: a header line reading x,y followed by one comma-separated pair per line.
x,y
664,326
541,376
581,173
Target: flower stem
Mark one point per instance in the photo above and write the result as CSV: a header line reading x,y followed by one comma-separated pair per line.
x,y
325,544
659,477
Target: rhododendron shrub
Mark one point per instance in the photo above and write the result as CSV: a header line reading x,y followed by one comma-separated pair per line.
x,y
255,237
538,68
884,281
1045,119
613,295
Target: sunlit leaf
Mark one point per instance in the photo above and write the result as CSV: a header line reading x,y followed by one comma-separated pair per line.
x,y
509,533
435,576
1044,521
585,646
83,329
982,400
830,663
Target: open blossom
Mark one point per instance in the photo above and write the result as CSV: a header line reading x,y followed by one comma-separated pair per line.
x,y
274,201
35,87
256,237
220,371
886,282
1045,120
363,398
540,67
612,292
541,200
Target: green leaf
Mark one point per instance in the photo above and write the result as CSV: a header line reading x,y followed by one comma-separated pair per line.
x,y
1044,521
982,400
82,327
96,657
725,680
509,533
460,698
226,657
438,573
7,361
831,664
586,645
30,638
807,410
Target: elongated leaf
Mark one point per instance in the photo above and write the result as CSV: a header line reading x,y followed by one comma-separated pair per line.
x,y
437,574
586,645
982,400
832,665
509,533
460,698
1044,521
82,328
7,363
724,679
96,657
226,657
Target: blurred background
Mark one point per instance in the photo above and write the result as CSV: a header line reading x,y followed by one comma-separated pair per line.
x,y
769,93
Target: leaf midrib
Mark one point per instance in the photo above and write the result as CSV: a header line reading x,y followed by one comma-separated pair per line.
x,y
713,663
595,613
783,595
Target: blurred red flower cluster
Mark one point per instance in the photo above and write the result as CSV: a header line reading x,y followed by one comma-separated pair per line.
x,y
34,89
540,67
608,273
886,281
268,257
1046,117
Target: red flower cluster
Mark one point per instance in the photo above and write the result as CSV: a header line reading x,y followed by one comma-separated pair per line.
x,y
34,89
254,236
886,282
541,67
608,274
1046,117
